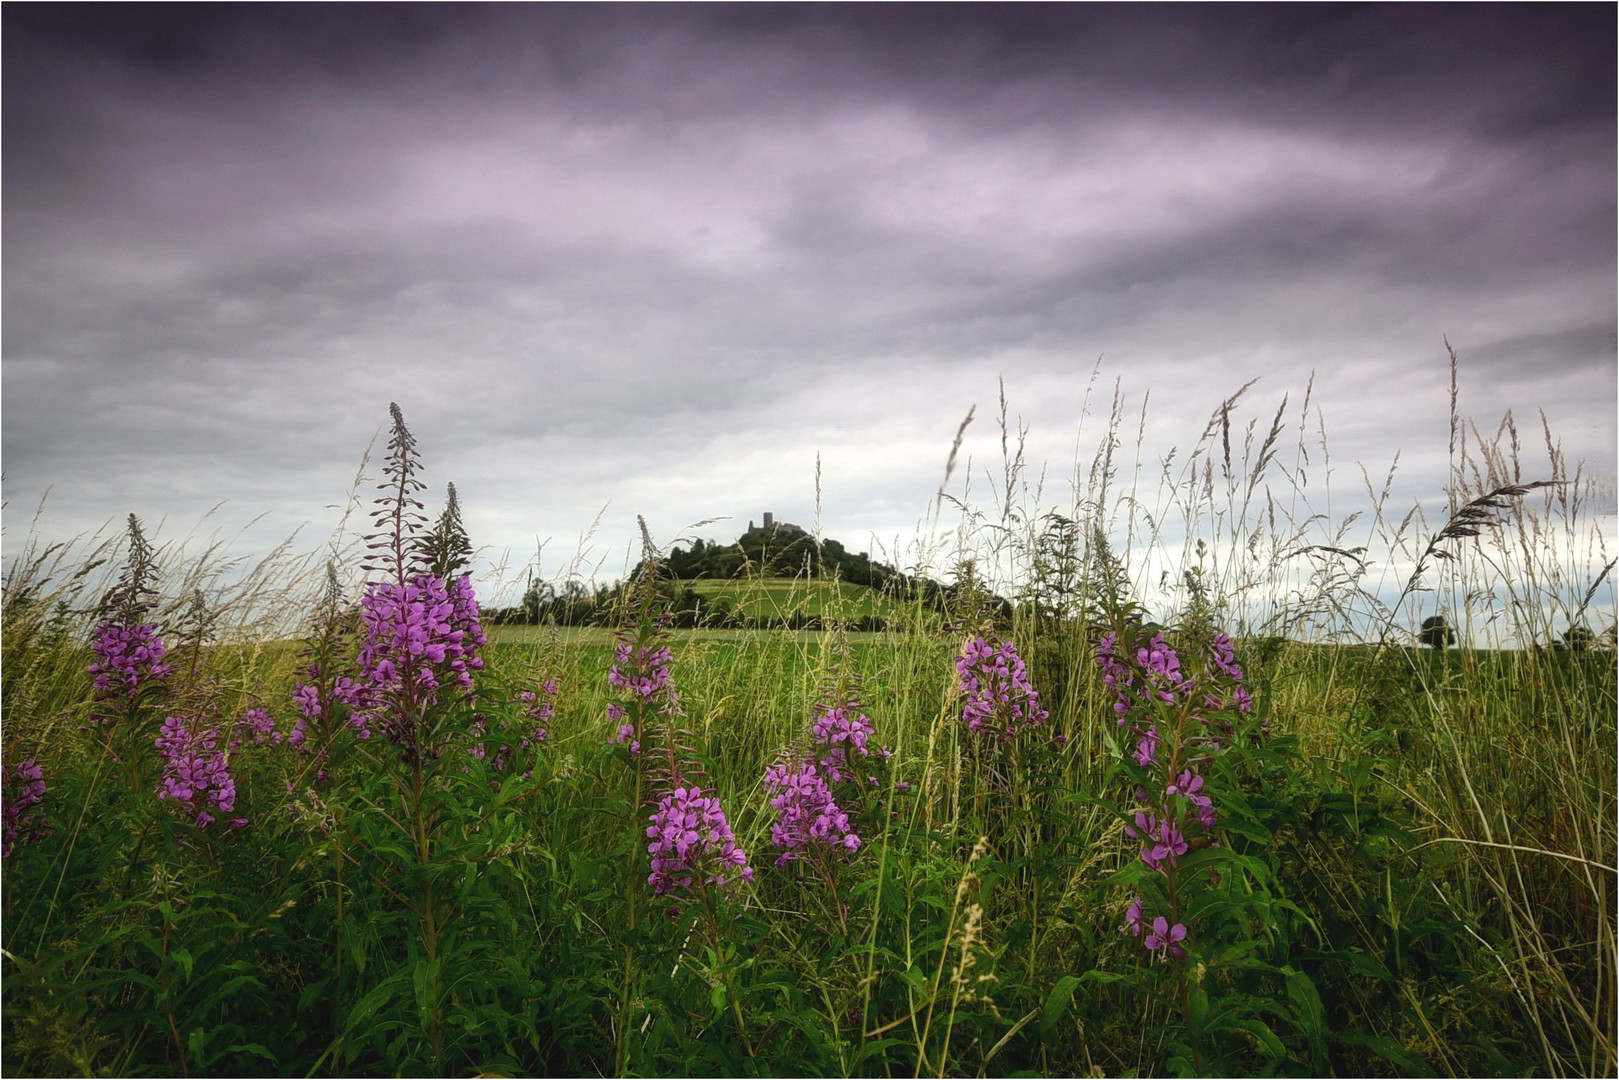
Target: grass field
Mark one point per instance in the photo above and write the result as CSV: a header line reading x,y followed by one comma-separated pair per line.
x,y
1088,839
605,636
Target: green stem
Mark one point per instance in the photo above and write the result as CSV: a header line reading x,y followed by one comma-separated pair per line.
x,y
429,921
724,972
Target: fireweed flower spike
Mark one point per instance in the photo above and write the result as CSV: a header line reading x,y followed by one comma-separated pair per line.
x,y
196,775
998,700
640,672
539,712
509,739
127,658
313,704
421,632
626,737
1147,747
420,638
256,725
1167,706
806,813
691,842
20,799
129,651
840,738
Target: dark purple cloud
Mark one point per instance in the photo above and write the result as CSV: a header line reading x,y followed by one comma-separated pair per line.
x,y
663,255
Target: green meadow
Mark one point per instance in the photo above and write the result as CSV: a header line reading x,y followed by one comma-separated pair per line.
x,y
1386,858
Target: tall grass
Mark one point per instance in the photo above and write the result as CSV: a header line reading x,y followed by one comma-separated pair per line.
x,y
1428,836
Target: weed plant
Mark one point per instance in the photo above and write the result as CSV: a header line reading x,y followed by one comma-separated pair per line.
x,y
1192,798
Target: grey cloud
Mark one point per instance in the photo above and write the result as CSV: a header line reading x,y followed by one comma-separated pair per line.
x,y
609,252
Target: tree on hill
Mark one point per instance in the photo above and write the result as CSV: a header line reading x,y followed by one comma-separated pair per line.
x,y
1436,633
1577,639
783,550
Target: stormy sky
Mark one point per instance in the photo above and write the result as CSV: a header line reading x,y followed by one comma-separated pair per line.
x,y
657,259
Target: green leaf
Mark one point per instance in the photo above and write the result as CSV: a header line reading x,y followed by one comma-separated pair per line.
x,y
373,1001
311,994
422,977
1387,1049
226,989
1057,1003
1363,964
1098,976
1260,1031
1130,873
1310,1014
252,1048
875,1047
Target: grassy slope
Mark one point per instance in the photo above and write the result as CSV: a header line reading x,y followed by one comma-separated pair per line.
x,y
780,597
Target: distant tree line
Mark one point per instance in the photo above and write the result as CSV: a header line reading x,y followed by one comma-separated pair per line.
x,y
1437,633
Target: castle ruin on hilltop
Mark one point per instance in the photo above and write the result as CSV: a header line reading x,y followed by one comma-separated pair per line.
x,y
772,525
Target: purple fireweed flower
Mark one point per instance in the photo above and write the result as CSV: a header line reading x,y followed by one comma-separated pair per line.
x,y
1186,735
1224,656
1206,816
196,775
22,792
691,841
998,700
465,617
1162,845
539,712
1159,658
640,669
1162,668
1155,673
1147,747
643,670
837,737
418,639
257,725
1189,786
500,738
127,658
806,812
1132,918
425,630
1115,676
1166,937
1161,840
626,737
307,701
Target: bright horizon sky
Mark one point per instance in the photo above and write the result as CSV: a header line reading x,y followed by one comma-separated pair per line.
x,y
636,260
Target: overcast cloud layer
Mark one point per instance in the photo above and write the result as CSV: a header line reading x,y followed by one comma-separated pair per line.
x,y
657,259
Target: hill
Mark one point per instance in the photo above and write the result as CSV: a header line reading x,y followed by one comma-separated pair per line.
x,y
778,550
765,600
772,576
